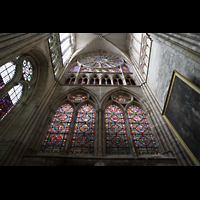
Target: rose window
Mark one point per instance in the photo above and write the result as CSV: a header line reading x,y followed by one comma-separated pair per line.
x,y
100,61
27,70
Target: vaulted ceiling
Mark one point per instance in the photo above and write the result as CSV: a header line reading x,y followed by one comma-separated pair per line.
x,y
93,42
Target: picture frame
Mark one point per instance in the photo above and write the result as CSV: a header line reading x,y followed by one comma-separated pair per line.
x,y
182,113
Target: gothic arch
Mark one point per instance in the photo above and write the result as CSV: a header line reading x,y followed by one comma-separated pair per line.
x,y
125,149
139,99
16,123
42,72
30,88
136,100
61,98
64,99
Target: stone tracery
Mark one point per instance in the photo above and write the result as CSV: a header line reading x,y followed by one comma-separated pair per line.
x,y
109,70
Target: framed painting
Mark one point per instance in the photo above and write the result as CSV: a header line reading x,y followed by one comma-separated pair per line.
x,y
182,114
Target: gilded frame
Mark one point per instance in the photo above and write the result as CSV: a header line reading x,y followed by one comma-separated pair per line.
x,y
182,113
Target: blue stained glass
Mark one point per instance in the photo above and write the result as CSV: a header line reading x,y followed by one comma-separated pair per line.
x,y
5,106
143,139
116,135
75,68
56,137
83,136
125,69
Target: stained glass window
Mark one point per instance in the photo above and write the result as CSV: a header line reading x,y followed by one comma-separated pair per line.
x,y
5,106
7,72
125,69
27,70
75,68
56,137
116,135
83,136
100,61
78,98
10,100
143,139
122,99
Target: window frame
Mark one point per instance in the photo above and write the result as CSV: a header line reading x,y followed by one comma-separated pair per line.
x,y
16,80
76,107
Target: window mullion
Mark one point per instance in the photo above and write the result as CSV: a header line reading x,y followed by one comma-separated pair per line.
x,y
71,131
129,134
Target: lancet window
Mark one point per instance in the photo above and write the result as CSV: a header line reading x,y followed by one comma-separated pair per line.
x,y
57,134
116,134
81,135
122,137
84,131
143,139
125,126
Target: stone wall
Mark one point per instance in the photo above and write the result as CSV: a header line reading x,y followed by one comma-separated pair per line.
x,y
168,55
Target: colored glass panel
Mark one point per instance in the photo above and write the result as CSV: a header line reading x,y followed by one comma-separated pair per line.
x,y
78,98
10,100
27,70
101,61
125,69
122,99
143,139
56,137
5,106
85,69
83,136
116,135
75,68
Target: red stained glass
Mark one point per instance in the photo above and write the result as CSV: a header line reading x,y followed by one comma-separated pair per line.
x,y
122,99
83,137
116,135
78,98
125,69
143,139
56,138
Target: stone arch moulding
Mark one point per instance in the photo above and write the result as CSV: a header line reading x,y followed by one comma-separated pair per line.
x,y
50,110
23,125
125,91
27,92
42,70
55,104
61,98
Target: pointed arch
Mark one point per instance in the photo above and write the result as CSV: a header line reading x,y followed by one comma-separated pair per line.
x,y
84,131
57,134
116,134
143,139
